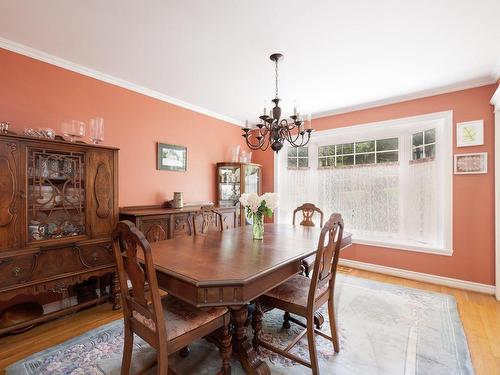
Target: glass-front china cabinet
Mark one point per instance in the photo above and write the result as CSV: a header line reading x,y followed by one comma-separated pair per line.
x,y
234,179
58,208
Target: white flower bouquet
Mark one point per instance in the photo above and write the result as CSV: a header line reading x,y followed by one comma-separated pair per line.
x,y
256,207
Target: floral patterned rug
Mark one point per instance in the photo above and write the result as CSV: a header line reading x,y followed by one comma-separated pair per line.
x,y
384,329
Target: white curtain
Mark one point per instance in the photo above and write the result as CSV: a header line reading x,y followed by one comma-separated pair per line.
x,y
295,187
422,216
366,196
401,203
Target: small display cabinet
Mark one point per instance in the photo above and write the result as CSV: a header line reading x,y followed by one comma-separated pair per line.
x,y
234,179
58,208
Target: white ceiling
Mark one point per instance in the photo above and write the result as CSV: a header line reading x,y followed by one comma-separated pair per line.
x,y
214,54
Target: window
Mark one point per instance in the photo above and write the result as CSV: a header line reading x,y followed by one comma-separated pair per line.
x,y
358,153
368,174
424,144
298,157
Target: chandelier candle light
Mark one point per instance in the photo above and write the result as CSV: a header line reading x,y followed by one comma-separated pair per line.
x,y
274,131
257,207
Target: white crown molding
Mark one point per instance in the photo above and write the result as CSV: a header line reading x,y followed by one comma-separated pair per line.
x,y
418,276
403,98
495,99
496,70
69,65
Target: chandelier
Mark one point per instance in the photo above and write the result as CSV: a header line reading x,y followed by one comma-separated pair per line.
x,y
274,131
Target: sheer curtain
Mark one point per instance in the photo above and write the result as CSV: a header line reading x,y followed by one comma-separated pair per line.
x,y
405,203
421,219
366,196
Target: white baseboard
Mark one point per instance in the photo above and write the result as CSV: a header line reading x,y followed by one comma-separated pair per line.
x,y
418,276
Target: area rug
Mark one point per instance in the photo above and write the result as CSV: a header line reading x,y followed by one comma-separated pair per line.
x,y
384,329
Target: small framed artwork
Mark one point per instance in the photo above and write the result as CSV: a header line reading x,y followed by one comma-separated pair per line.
x,y
171,157
471,163
470,133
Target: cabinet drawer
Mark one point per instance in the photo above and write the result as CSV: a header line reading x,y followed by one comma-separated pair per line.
x,y
53,262
16,270
96,255
182,225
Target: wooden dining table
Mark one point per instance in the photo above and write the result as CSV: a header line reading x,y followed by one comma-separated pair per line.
x,y
231,269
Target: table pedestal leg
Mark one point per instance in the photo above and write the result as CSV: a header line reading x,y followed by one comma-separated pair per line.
x,y
242,346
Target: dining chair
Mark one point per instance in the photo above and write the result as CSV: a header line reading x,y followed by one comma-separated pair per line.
x,y
304,296
167,324
308,210
208,219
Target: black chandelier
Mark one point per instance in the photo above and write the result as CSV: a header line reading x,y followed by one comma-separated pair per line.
x,y
274,131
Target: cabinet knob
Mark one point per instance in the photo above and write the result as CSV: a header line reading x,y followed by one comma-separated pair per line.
x,y
22,194
16,271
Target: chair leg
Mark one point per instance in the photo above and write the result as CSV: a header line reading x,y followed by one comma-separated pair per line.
x,y
128,346
162,366
286,320
313,356
257,325
333,325
225,350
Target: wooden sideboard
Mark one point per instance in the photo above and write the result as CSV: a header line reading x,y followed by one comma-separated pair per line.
x,y
159,223
58,208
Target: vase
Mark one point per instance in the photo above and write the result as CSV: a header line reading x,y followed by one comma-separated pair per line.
x,y
258,227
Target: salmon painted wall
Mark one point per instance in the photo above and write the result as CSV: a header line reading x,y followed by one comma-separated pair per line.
x,y
473,195
36,94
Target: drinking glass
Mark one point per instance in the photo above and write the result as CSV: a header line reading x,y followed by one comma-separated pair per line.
x,y
73,129
97,130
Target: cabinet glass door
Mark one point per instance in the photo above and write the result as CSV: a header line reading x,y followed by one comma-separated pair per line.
x,y
252,183
252,179
229,185
56,194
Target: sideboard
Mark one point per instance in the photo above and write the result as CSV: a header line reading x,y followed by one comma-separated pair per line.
x,y
158,223
58,208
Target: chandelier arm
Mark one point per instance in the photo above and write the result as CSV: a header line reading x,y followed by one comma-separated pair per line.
x,y
254,146
293,139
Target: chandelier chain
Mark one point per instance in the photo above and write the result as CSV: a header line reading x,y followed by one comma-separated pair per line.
x,y
276,77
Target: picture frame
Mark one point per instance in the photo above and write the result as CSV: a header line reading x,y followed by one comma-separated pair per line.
x,y
171,157
470,133
475,163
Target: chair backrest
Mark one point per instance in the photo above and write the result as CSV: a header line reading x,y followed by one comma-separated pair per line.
x,y
308,210
144,317
156,233
207,219
327,259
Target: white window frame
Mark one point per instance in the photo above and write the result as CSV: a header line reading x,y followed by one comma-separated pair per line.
x,y
297,158
355,153
424,144
442,121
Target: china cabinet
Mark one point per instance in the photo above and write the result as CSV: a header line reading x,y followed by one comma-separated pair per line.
x,y
58,208
234,179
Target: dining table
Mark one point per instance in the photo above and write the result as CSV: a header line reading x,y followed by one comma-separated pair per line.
x,y
229,268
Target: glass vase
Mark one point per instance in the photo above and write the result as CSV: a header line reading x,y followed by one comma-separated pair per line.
x,y
258,227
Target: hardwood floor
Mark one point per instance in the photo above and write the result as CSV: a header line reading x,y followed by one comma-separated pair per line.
x,y
480,314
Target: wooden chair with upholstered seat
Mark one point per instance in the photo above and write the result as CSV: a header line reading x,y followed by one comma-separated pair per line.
x,y
308,210
167,324
208,219
304,296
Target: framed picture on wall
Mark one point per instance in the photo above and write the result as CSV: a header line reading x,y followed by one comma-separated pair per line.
x,y
171,157
471,163
470,133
